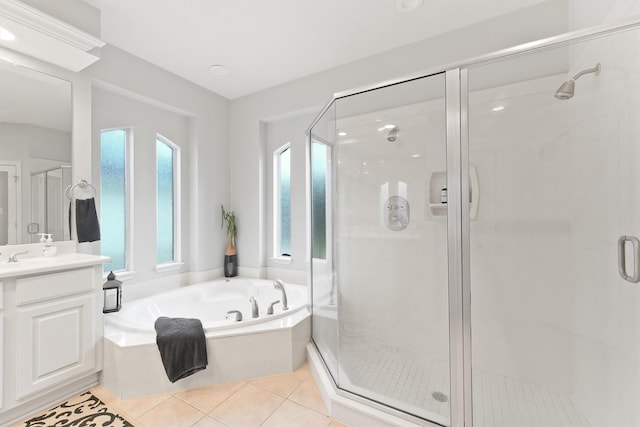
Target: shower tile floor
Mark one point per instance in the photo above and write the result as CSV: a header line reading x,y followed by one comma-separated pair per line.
x,y
415,385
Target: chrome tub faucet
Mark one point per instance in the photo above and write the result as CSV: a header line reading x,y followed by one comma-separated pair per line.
x,y
237,313
280,286
255,312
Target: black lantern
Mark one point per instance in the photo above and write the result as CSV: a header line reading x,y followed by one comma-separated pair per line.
x,y
112,294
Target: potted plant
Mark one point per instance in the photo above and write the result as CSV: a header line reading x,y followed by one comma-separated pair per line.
x,y
230,254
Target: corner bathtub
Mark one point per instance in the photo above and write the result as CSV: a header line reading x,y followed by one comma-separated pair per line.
x,y
210,302
267,345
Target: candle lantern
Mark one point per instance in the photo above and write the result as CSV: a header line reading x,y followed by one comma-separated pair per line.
x,y
112,294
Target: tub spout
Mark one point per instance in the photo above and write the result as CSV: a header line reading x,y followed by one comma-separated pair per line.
x,y
237,313
280,286
255,312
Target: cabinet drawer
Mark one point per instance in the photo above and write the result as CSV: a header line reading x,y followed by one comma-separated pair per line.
x,y
47,286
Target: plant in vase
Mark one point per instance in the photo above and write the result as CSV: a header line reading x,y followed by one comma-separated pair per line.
x,y
230,254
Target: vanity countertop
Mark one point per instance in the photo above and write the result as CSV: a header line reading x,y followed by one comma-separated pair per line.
x,y
36,265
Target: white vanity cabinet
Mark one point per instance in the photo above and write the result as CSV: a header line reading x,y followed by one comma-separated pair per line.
x,y
56,326
51,345
1,339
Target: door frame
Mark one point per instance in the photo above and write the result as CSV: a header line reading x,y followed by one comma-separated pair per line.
x,y
14,234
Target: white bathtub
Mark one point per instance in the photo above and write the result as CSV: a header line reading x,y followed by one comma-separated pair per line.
x,y
267,345
210,302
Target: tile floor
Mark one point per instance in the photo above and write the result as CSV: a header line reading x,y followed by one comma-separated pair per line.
x,y
277,401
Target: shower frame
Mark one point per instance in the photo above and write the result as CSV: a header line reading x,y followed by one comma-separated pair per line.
x,y
458,216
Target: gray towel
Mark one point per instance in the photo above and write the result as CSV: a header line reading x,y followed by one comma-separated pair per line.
x,y
87,226
182,346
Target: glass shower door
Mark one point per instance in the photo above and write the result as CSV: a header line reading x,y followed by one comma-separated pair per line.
x,y
555,331
389,284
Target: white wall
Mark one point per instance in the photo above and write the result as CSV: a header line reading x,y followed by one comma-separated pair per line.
x,y
279,133
308,94
145,122
206,182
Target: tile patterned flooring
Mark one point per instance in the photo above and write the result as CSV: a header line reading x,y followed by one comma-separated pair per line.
x,y
276,401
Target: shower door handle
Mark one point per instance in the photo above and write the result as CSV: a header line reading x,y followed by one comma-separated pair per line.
x,y
622,259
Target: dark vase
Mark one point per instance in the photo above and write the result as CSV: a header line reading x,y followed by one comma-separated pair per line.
x,y
230,265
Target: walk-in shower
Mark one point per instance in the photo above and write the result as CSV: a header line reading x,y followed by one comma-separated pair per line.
x,y
466,274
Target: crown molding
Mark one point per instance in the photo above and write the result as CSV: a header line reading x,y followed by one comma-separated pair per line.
x,y
38,33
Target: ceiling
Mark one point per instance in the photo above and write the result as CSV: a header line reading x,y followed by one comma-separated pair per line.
x,y
264,43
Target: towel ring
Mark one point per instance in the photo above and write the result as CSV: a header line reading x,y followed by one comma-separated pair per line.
x,y
82,184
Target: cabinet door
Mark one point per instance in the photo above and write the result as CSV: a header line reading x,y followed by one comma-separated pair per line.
x,y
54,343
1,352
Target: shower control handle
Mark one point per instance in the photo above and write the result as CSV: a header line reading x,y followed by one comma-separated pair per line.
x,y
622,258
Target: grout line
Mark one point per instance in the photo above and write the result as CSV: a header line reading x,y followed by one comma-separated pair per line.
x,y
273,412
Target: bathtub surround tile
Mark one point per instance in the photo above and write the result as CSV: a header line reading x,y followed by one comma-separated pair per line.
x,y
248,407
206,398
307,394
290,414
171,413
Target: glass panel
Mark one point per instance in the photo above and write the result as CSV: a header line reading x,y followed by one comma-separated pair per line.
x,y
319,183
556,341
39,204
113,192
391,247
165,227
284,193
57,203
325,292
4,208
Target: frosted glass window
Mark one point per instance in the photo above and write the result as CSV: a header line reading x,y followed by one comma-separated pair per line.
x,y
113,202
282,163
319,157
166,173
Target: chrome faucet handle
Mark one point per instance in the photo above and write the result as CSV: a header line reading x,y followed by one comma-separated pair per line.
x,y
255,311
237,313
13,257
270,309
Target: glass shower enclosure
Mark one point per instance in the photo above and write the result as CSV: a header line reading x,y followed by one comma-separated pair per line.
x,y
474,238
49,203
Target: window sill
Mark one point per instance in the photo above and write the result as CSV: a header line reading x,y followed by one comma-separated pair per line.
x,y
168,268
122,275
284,260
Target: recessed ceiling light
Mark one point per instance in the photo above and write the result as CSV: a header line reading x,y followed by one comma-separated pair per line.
x,y
408,5
415,156
498,108
6,35
219,69
342,134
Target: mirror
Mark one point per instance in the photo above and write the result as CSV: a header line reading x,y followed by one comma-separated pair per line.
x,y
35,154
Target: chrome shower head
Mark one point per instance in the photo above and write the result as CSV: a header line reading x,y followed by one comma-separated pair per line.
x,y
568,88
